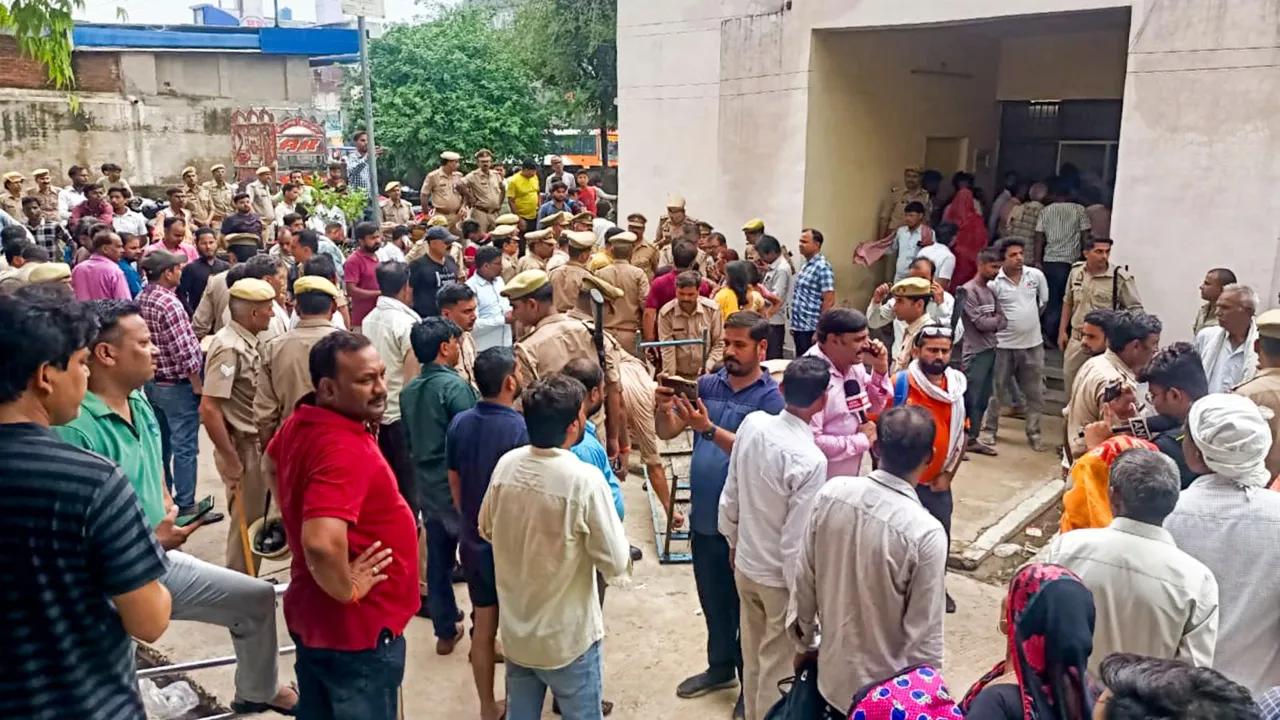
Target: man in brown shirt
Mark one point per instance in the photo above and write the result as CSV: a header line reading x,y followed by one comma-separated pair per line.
x,y
893,207
458,303
541,248
441,187
645,254
284,376
219,193
226,411
676,223
622,316
687,318
483,190
1264,387
395,209
11,198
197,201
46,193
566,280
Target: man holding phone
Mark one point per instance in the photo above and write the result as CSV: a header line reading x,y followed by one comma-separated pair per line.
x,y
845,428
117,422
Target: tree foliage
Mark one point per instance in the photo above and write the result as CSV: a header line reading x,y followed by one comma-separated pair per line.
x,y
42,29
449,84
574,46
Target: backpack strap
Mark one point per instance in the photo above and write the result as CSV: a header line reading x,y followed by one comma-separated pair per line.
x,y
900,388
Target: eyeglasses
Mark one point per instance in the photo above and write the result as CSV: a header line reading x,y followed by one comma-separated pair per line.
x,y
931,331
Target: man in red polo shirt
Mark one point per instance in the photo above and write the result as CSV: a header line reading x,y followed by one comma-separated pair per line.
x,y
662,289
354,577
360,270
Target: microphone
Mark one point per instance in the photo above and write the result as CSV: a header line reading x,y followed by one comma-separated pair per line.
x,y
1145,428
856,400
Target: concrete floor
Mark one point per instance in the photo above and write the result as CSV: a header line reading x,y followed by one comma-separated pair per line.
x,y
655,634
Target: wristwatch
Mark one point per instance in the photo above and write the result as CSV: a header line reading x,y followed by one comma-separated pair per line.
x,y
710,434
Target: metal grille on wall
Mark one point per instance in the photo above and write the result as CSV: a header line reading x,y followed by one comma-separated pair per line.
x,y
1037,137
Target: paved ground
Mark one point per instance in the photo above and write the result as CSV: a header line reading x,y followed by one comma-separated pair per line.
x,y
655,636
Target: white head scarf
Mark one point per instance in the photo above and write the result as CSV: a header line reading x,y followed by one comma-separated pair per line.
x,y
1233,437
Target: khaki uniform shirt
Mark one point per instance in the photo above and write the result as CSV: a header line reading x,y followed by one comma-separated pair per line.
x,y
1264,389
1087,292
219,199
1206,316
484,190
902,352
198,205
644,255
703,263
284,375
676,324
509,267
1085,404
48,203
669,232
231,375
622,316
263,201
557,339
443,190
12,205
893,208
531,262
566,285
466,365
211,313
400,213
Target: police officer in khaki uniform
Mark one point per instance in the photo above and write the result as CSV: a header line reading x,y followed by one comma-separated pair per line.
x,y
197,200
581,222
752,231
442,188
566,280
47,193
687,318
1264,388
645,254
893,207
483,191
676,223
226,411
11,197
556,338
395,209
622,316
211,314
284,375
219,193
702,263
1093,284
541,248
458,305
500,236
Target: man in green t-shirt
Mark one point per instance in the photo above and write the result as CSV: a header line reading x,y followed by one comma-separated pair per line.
x,y
117,422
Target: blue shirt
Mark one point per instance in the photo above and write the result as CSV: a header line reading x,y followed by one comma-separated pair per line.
x,y
474,442
590,451
131,276
815,278
710,465
550,208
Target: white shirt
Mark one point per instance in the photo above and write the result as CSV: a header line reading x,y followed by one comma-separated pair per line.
x,y
279,323
283,208
599,226
906,244
550,519
335,320
68,198
1236,533
775,470
130,222
1152,598
1021,305
491,328
388,326
944,261
871,569
557,259
778,281
1225,366
389,253
881,314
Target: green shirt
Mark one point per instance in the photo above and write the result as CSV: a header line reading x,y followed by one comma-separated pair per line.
x,y
427,405
135,448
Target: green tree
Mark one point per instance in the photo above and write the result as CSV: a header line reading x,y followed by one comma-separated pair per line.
x,y
573,44
449,84
42,29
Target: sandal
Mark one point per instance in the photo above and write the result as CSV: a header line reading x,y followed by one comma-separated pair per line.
x,y
246,707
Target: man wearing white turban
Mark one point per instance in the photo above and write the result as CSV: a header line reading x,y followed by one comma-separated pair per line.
x,y
1227,520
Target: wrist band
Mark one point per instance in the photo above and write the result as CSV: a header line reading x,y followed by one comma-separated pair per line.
x,y
355,595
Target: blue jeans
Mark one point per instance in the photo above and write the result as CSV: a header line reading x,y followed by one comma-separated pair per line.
x,y
442,557
181,409
578,687
350,685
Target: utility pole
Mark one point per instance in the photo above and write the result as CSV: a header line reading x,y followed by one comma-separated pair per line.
x,y
374,210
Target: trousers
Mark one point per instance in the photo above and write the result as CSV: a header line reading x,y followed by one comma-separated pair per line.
x,y
803,340
718,596
442,556
767,653
577,688
178,403
345,685
980,371
1027,366
246,606
777,342
253,493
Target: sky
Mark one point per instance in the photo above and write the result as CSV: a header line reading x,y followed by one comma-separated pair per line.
x,y
149,12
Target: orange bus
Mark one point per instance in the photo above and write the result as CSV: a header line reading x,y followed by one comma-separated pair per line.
x,y
581,148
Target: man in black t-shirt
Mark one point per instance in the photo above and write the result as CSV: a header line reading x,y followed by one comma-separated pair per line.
x,y
1175,379
79,565
432,271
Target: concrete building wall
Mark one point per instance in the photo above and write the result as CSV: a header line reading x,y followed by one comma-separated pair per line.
x,y
153,113
741,105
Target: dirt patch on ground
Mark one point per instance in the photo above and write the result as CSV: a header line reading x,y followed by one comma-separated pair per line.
x,y
997,570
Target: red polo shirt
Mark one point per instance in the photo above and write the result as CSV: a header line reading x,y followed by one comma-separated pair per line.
x,y
329,466
361,269
663,290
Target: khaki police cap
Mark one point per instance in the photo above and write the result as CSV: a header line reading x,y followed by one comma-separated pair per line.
x,y
253,289
538,236
1269,324
525,283
264,169
675,200
623,238
502,231
49,272
606,288
14,176
484,153
559,218
314,283
437,221
637,219
449,156
581,239
39,172
753,225
391,186
583,216
242,238
911,287
216,167
913,168
507,219
188,170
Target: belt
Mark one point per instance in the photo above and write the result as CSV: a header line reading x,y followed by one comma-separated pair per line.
x,y
179,381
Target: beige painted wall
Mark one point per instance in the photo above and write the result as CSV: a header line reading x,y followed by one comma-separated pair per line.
x,y
870,116
1075,66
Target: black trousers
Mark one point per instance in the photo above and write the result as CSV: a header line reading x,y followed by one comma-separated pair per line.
x,y
1055,273
350,685
718,596
777,338
939,505
980,371
803,340
395,448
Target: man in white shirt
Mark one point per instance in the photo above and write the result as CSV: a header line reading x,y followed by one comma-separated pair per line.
x,y
908,239
1021,293
1229,521
871,568
1151,598
944,261
939,308
290,194
777,280
72,195
124,220
552,525
388,326
775,470
493,309
1227,349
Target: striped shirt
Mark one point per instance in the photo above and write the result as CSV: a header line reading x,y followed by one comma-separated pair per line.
x,y
180,355
815,278
1062,223
72,536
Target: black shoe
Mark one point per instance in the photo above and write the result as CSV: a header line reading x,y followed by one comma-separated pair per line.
x,y
951,605
705,682
606,707
636,554
425,610
740,709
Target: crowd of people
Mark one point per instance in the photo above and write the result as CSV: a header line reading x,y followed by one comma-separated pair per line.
x,y
458,390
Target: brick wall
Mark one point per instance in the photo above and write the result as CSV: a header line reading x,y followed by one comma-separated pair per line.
x,y
95,72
